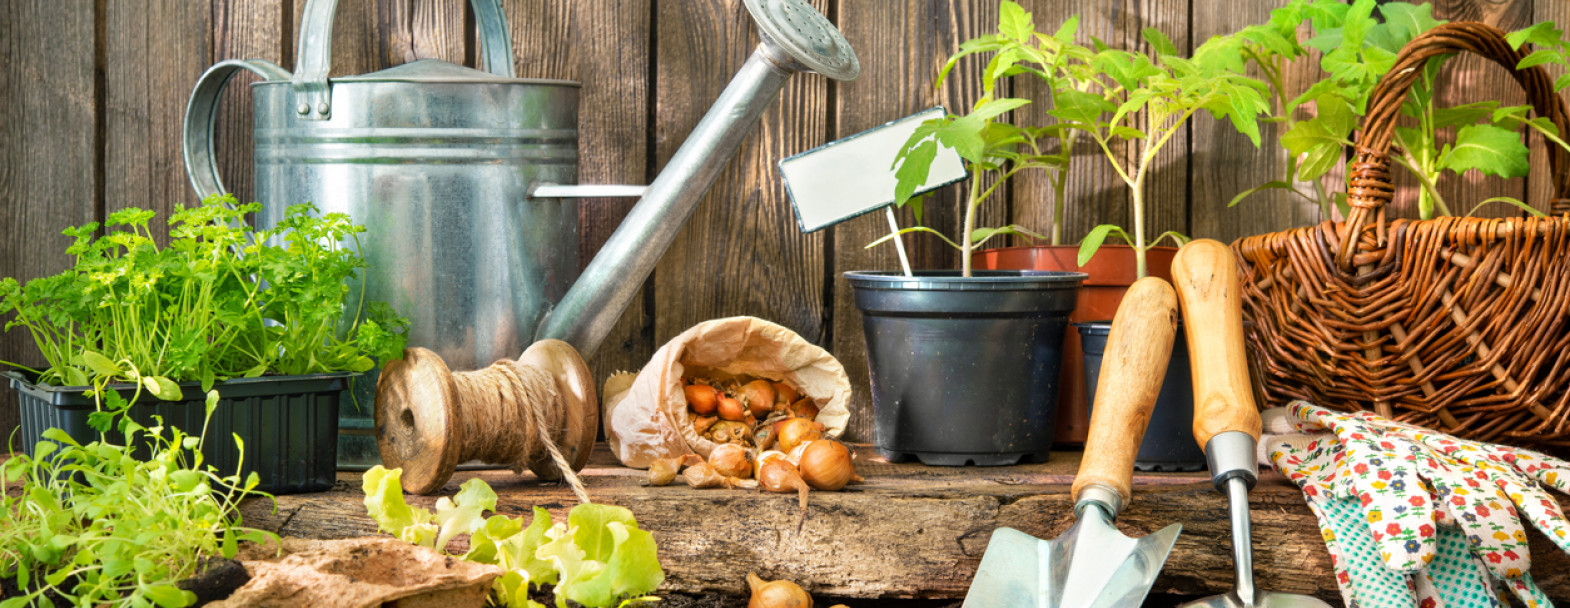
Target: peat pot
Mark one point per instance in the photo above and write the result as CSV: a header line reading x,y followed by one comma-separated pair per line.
x,y
289,423
964,370
1169,439
1111,272
466,181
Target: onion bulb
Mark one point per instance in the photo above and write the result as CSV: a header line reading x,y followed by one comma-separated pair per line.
x,y
758,396
776,594
805,408
731,409
795,431
702,398
765,457
730,460
785,393
702,475
825,465
663,471
779,475
702,424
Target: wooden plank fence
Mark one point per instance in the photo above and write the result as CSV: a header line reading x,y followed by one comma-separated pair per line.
x,y
92,96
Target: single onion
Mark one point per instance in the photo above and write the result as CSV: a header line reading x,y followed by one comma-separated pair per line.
x,y
785,393
730,460
795,431
758,396
663,471
702,398
702,475
731,409
825,465
702,424
779,475
765,457
776,594
805,408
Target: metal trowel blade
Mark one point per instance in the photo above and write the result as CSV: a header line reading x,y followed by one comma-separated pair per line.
x,y
1092,565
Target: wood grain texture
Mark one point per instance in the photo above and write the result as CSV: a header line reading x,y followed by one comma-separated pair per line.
x,y
901,46
909,531
156,49
1205,274
741,252
49,178
606,46
244,29
370,35
1225,163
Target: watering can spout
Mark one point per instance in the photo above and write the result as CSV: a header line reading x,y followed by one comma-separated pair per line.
x,y
794,38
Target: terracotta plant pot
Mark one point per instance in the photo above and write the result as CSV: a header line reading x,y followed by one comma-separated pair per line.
x,y
1111,272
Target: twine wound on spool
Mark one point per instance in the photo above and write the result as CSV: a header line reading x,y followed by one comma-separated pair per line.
x,y
539,412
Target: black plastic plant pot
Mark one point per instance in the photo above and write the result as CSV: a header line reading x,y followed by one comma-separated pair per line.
x,y
964,370
289,423
1169,439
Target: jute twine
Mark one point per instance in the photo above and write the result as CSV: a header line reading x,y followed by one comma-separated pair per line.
x,y
506,415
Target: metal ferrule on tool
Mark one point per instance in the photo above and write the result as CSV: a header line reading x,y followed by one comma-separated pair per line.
x,y
1230,455
1102,496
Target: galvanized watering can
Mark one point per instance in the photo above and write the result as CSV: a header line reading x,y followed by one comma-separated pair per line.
x,y
464,177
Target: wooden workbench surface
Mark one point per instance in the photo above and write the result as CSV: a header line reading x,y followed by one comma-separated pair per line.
x,y
909,531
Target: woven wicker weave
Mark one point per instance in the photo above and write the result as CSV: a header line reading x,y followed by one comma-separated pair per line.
x,y
1457,324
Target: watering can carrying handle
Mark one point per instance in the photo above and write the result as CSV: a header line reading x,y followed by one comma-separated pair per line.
x,y
310,81
313,99
201,111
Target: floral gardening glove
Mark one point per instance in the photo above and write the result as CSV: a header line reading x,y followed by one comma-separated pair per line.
x,y
1391,468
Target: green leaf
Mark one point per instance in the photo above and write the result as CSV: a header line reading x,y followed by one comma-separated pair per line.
x,y
101,364
988,110
1065,33
1540,34
1273,185
75,377
1539,57
1486,148
211,402
169,596
1464,114
1092,242
1079,107
162,388
463,513
1407,21
1319,148
614,559
384,502
1159,42
1561,82
1014,22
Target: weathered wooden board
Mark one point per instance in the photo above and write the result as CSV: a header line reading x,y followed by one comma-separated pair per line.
x,y
50,171
740,252
909,531
145,102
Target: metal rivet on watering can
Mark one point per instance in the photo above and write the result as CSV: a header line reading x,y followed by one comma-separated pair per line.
x,y
303,108
322,108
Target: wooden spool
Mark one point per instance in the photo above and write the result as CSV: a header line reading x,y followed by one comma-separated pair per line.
x,y
418,411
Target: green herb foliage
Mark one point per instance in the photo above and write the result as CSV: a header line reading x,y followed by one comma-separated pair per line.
x,y
597,558
93,525
1164,89
1358,50
219,302
988,144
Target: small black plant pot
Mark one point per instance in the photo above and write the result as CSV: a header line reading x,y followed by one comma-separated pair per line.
x,y
289,423
964,370
1169,439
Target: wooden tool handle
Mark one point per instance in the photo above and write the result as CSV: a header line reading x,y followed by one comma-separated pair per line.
x,y
1132,367
1206,276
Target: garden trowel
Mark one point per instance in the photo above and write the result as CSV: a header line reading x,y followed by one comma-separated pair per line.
x,y
1226,421
1093,565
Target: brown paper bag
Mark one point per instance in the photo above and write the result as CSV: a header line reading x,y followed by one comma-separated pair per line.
x,y
646,416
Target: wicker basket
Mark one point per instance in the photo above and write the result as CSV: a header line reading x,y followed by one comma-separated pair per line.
x,y
1459,324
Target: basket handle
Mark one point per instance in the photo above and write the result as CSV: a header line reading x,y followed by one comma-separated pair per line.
x,y
1369,186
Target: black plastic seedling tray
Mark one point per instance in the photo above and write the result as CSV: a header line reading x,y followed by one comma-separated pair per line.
x,y
289,423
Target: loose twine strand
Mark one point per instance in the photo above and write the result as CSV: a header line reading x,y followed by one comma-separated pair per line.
x,y
496,402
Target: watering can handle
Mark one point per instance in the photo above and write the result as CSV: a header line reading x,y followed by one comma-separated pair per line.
x,y
313,99
201,111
